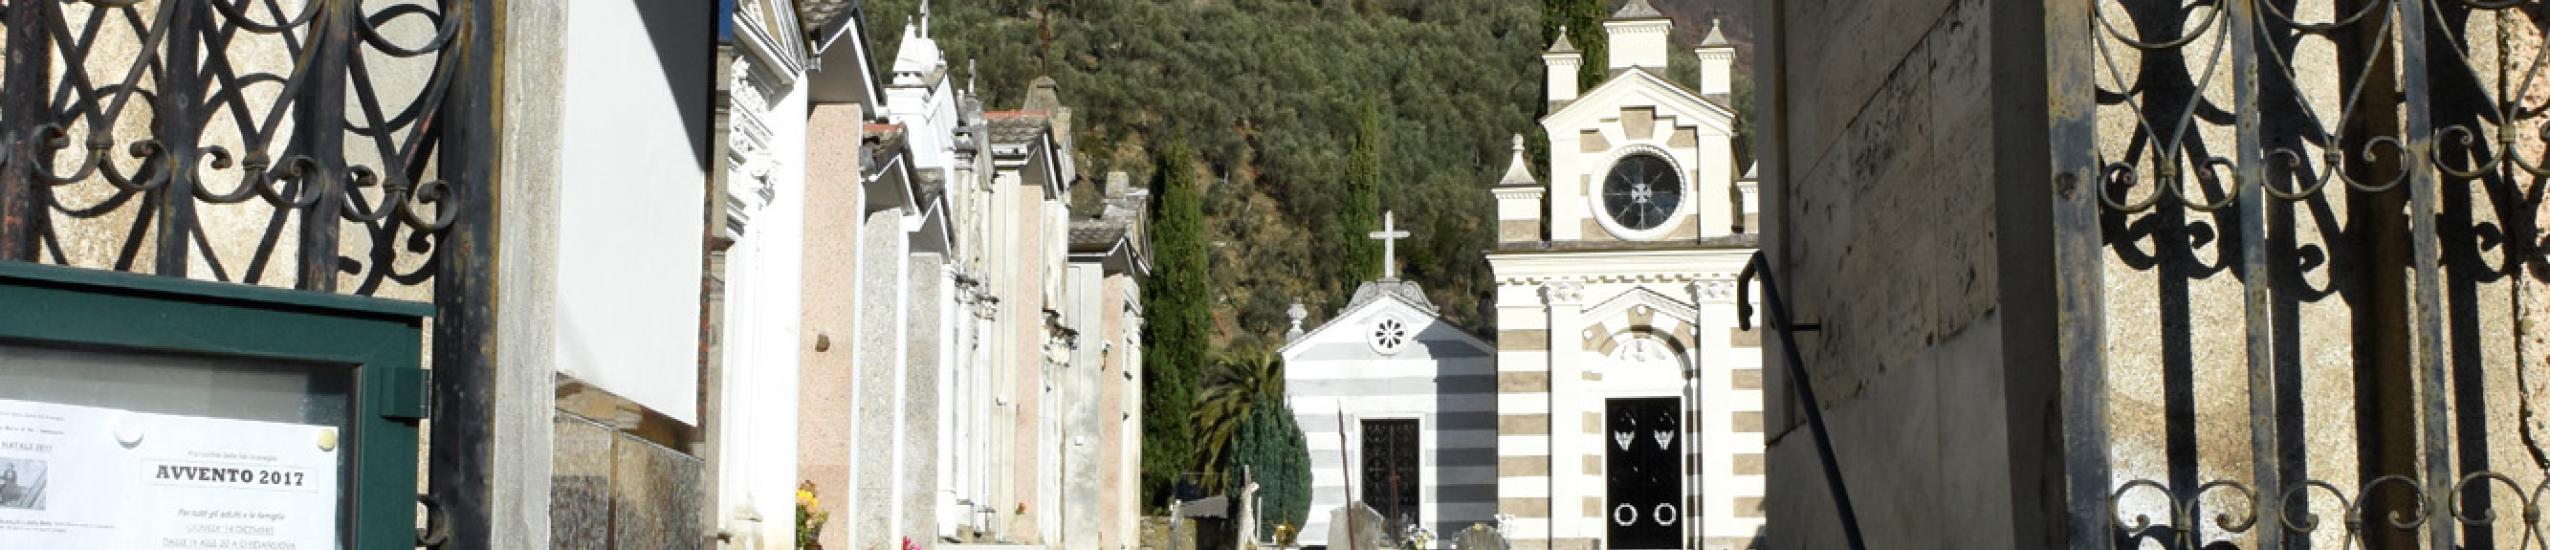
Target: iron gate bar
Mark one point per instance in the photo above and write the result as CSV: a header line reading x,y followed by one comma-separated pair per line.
x,y
2255,281
172,112
462,460
1779,318
320,126
2078,272
29,62
2427,297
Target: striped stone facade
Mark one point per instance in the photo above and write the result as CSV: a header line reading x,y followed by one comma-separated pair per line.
x,y
1339,375
1550,393
1593,307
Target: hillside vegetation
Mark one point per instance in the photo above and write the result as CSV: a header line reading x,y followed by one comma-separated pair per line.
x,y
1268,93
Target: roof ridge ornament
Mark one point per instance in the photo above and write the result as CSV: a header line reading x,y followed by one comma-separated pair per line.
x,y
1518,172
1716,37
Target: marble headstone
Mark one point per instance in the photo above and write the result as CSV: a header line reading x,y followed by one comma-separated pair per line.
x,y
1369,533
1479,537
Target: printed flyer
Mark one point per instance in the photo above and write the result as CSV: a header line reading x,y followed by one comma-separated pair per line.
x,y
86,477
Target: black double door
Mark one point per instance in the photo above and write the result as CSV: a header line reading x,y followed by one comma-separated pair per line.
x,y
1391,479
1642,449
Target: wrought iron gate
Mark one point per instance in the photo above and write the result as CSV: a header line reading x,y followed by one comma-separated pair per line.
x,y
332,146
2377,157
1394,476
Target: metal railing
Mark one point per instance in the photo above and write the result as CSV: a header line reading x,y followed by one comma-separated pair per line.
x,y
1797,378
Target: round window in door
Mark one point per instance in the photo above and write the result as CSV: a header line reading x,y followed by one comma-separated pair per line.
x,y
1642,191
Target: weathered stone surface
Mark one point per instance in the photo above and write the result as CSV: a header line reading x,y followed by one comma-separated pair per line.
x,y
1480,537
921,398
655,496
881,263
829,304
1367,530
1907,159
613,490
580,492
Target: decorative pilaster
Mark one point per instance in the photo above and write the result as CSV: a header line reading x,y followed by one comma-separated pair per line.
x,y
1568,484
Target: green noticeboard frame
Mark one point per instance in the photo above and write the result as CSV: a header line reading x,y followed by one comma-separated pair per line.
x,y
380,339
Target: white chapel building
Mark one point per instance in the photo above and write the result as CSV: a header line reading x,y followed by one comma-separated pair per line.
x,y
1415,397
1628,412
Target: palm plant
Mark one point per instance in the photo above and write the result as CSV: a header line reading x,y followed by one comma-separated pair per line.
x,y
1233,387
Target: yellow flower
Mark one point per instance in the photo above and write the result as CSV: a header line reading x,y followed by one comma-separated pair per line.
x,y
807,499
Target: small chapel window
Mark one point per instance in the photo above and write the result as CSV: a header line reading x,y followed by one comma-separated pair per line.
x,y
1389,335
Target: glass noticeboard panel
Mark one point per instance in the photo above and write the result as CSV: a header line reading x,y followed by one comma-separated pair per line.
x,y
114,449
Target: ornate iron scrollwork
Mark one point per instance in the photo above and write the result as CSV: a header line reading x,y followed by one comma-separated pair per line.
x,y
2278,141
284,84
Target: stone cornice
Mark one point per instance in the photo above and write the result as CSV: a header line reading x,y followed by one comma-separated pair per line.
x,y
1534,192
1677,277
1714,290
1563,292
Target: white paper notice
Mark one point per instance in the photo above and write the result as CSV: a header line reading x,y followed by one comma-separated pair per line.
x,y
83,477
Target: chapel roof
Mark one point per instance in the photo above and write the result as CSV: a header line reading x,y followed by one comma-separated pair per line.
x,y
1637,9
1720,101
1016,127
917,56
815,15
1562,45
1377,294
1716,37
1095,235
1042,95
1404,290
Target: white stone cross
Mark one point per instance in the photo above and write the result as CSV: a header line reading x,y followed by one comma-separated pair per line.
x,y
1389,236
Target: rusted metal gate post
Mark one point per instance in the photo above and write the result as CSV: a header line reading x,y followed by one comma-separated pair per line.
x,y
462,459
2256,278
22,93
2426,297
2072,90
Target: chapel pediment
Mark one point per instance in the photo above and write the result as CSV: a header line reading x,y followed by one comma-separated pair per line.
x,y
1638,86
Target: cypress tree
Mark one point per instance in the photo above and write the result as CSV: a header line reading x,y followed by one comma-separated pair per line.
x,y
1271,447
1360,214
1177,325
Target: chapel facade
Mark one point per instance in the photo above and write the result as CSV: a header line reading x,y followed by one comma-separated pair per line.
x,y
1397,407
1629,404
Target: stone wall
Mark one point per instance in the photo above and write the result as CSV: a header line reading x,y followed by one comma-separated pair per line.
x,y
825,376
1888,228
921,424
615,490
881,268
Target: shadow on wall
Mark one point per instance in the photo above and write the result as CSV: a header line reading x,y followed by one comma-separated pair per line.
x,y
682,40
2342,256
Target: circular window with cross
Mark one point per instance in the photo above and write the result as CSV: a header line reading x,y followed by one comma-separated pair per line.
x,y
1641,195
